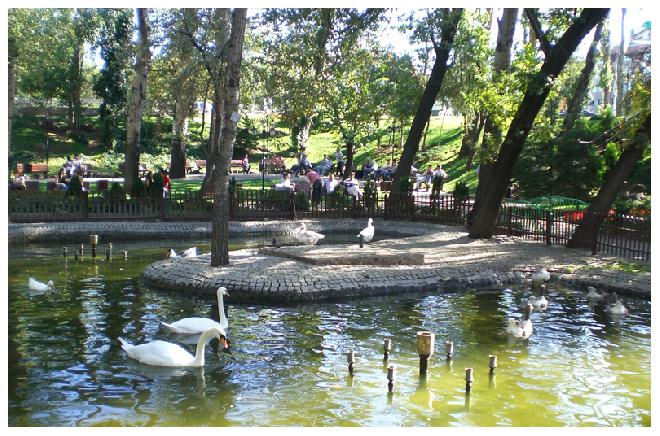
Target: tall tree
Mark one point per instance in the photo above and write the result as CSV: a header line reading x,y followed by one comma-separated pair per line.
x,y
220,231
619,68
11,79
85,23
506,27
539,86
136,104
208,32
447,21
605,72
635,137
114,39
575,104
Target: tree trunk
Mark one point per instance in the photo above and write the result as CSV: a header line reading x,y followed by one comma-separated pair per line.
x,y
619,69
179,135
475,134
576,103
586,233
11,79
219,242
486,211
448,31
206,97
76,61
136,104
350,147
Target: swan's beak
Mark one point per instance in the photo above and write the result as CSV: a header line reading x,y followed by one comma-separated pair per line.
x,y
225,342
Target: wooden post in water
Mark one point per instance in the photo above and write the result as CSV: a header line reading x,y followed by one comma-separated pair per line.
x,y
350,359
93,241
425,346
391,371
81,249
64,251
387,347
449,349
492,363
469,378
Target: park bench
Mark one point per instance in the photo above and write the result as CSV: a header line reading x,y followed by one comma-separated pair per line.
x,y
386,185
32,168
32,185
201,164
236,166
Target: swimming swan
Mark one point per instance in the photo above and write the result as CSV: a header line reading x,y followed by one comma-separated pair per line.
x,y
614,306
198,325
539,303
190,252
523,328
594,294
36,285
161,353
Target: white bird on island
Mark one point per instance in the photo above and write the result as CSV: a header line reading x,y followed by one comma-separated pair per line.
x,y
198,325
368,232
305,236
614,306
172,253
539,303
521,329
540,276
594,294
161,353
190,252
36,285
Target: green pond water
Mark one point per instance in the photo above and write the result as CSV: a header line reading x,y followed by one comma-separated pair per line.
x,y
287,364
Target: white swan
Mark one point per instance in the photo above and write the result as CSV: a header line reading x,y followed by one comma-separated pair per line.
x,y
36,285
161,353
540,276
190,252
539,303
172,253
368,232
198,325
594,294
307,237
523,328
614,306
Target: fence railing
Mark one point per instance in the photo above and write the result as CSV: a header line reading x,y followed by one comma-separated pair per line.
x,y
620,235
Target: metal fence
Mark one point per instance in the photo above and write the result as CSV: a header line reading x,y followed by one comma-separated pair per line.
x,y
620,235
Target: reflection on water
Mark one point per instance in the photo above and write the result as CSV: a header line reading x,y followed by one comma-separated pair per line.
x,y
287,365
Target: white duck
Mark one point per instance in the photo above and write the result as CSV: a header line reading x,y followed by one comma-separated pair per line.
x,y
161,353
307,237
368,232
539,303
190,252
540,276
172,253
521,329
594,294
36,285
197,325
614,306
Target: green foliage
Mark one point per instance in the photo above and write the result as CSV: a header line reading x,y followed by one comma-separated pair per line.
x,y
461,190
111,84
406,186
116,192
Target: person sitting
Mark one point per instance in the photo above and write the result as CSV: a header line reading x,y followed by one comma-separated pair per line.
x,y
245,163
285,183
325,166
19,183
61,180
75,185
352,186
68,167
340,161
425,178
278,163
370,167
303,163
330,184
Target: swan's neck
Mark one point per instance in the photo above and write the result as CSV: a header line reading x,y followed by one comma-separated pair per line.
x,y
201,346
221,309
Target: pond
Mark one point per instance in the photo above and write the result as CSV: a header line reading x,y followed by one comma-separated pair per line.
x,y
287,364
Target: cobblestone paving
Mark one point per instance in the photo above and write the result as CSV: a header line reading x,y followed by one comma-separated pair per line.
x,y
452,261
